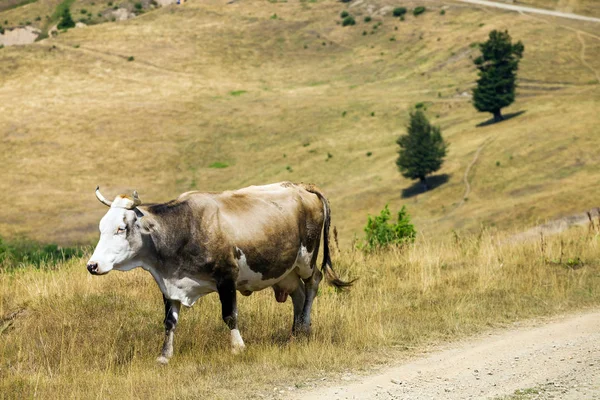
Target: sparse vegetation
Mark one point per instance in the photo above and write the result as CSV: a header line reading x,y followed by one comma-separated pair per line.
x,y
220,165
399,11
348,21
419,10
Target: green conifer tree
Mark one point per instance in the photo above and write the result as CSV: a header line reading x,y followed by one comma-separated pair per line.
x,y
498,65
422,149
66,21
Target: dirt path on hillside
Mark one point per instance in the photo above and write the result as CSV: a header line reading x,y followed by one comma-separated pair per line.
x,y
556,359
531,10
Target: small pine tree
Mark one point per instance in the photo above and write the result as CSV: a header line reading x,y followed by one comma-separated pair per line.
x,y
497,65
422,149
66,20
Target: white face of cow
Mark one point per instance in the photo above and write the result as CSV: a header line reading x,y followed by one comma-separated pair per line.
x,y
121,240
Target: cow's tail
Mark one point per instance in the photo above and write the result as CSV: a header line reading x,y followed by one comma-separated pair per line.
x,y
326,267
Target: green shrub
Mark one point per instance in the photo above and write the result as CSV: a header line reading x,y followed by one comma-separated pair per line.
x,y
442,12
399,11
419,10
38,18
218,165
349,20
1,30
380,233
367,18
130,58
344,14
138,5
83,11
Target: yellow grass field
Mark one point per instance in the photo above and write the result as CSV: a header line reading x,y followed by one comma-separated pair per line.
x,y
214,96
270,89
72,335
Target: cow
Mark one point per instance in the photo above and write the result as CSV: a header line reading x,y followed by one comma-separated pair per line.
x,y
244,240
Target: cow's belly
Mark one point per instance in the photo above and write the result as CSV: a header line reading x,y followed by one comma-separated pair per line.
x,y
251,281
185,289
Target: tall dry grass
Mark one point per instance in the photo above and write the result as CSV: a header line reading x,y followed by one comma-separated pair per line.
x,y
66,334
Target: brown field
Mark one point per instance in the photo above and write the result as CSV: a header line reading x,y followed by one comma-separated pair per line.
x,y
233,84
275,91
78,336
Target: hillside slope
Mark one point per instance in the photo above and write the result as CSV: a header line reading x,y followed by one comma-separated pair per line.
x,y
281,91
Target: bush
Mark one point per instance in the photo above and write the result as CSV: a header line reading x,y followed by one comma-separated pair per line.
x,y
83,11
138,5
344,14
419,10
349,20
367,19
1,30
130,58
442,12
399,11
380,233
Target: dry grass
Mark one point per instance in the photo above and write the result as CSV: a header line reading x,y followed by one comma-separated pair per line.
x,y
79,336
80,114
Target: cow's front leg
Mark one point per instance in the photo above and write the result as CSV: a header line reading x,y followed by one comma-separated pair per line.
x,y
227,295
171,316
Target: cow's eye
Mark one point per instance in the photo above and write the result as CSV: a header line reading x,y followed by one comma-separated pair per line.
x,y
121,230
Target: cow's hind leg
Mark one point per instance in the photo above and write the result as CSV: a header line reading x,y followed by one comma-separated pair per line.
x,y
171,316
298,299
227,295
311,286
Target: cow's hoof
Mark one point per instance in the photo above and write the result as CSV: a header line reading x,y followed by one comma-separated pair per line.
x,y
238,349
162,360
301,331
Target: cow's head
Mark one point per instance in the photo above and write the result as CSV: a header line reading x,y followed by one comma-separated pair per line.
x,y
121,235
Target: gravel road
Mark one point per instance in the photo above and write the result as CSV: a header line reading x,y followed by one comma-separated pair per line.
x,y
559,359
531,10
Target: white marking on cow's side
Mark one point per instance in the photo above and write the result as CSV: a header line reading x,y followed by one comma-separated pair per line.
x,y
237,344
251,280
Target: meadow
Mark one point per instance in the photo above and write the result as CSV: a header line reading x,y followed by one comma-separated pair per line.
x,y
281,91
68,334
215,96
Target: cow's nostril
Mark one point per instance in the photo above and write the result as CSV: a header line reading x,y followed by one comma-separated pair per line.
x,y
92,267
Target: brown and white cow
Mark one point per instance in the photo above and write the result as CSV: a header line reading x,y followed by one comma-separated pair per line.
x,y
244,240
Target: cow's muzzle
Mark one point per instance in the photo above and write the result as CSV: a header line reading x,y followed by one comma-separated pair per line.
x,y
92,267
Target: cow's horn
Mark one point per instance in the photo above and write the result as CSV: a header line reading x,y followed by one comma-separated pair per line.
x,y
136,199
101,198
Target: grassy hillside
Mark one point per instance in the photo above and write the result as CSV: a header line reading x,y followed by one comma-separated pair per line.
x,y
281,91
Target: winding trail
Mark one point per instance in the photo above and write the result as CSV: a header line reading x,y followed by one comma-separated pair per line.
x,y
531,10
559,359
582,56
468,170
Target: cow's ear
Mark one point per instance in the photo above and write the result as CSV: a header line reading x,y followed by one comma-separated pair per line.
x,y
147,225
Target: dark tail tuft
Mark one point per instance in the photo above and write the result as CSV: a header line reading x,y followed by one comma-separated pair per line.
x,y
326,267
